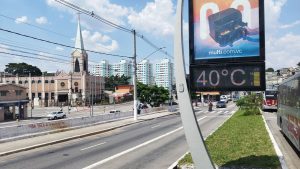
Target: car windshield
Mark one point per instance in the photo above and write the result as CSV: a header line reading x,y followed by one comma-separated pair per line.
x,y
53,113
220,102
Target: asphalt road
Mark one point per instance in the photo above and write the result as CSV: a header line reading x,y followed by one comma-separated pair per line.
x,y
151,144
291,157
39,114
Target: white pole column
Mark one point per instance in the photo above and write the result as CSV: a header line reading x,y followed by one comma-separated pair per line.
x,y
134,78
192,131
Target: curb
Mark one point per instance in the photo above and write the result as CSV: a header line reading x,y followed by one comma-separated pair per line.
x,y
275,145
4,140
77,136
175,164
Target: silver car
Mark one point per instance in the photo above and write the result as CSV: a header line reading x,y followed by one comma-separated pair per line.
x,y
56,115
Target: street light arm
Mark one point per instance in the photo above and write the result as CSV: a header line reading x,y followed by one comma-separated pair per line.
x,y
153,53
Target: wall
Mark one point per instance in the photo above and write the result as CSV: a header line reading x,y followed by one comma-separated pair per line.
x,y
34,128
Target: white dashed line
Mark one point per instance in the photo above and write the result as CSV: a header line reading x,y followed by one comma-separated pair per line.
x,y
92,146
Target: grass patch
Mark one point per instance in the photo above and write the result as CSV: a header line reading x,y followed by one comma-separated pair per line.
x,y
242,141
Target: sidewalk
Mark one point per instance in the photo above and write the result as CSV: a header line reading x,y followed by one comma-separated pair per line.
x,y
45,140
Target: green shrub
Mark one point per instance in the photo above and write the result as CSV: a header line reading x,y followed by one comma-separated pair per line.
x,y
250,104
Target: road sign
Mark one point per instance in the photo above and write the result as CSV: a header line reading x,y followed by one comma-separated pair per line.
x,y
228,77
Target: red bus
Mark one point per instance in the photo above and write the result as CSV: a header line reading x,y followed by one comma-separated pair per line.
x,y
270,99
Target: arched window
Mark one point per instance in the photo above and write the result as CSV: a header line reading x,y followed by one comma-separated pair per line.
x,y
46,81
20,82
39,81
13,82
26,81
52,81
32,81
77,68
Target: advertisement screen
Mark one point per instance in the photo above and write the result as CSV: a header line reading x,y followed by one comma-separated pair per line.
x,y
225,29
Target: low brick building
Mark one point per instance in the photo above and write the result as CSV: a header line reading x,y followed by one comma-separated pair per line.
x,y
13,101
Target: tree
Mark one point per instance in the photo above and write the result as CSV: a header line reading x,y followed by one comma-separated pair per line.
x,y
113,81
250,104
152,95
22,69
298,64
270,70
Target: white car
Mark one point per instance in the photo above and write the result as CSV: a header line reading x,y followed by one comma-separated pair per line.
x,y
114,111
56,115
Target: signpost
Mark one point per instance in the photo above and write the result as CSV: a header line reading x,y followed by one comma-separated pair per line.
x,y
227,53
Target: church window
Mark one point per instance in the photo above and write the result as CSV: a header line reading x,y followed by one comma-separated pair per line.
x,y
84,65
77,68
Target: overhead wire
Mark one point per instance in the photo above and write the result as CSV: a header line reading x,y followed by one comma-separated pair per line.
x,y
67,46
43,29
81,10
25,56
38,27
43,52
84,11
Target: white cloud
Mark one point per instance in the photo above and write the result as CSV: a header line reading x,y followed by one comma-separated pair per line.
x,y
104,8
97,41
273,10
283,52
291,25
4,48
22,19
41,20
58,48
44,64
157,18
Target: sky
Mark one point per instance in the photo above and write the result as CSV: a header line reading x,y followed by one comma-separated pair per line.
x,y
154,19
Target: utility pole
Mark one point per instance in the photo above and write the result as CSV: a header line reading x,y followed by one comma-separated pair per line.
x,y
90,93
134,78
92,98
95,92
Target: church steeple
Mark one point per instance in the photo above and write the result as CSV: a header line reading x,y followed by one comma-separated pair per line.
x,y
79,56
79,40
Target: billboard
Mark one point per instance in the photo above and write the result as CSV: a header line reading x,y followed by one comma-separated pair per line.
x,y
231,30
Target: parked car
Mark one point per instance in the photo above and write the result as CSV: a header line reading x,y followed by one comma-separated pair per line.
x,y
56,115
114,111
221,104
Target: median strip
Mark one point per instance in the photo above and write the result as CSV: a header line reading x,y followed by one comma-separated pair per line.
x,y
242,142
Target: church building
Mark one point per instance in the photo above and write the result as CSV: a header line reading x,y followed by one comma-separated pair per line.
x,y
76,87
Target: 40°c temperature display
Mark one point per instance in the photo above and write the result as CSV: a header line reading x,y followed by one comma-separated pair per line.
x,y
230,77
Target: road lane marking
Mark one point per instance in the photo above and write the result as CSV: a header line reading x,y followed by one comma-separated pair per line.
x,y
155,126
134,148
92,146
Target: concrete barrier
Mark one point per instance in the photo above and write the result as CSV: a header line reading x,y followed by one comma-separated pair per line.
x,y
25,129
47,126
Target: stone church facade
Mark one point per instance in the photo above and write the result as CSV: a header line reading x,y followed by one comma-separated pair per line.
x,y
76,87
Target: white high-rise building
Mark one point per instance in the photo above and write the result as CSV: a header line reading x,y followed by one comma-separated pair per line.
x,y
103,69
124,67
145,72
164,74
